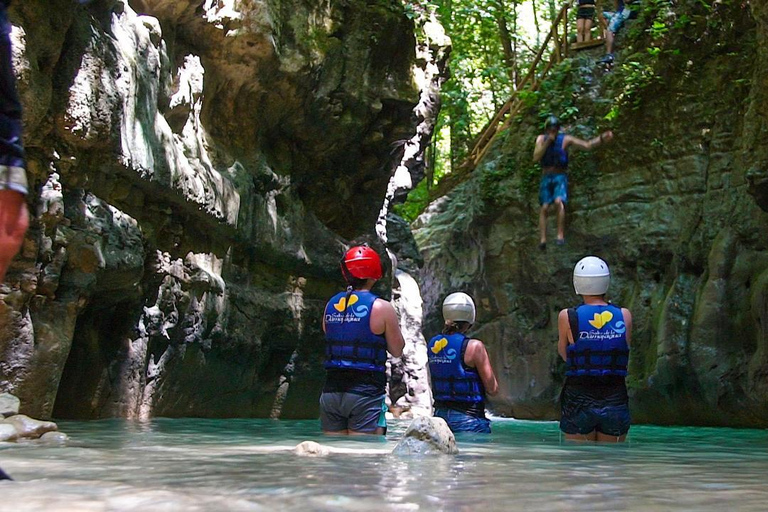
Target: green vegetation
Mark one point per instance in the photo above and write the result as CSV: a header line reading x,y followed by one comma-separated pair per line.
x,y
493,46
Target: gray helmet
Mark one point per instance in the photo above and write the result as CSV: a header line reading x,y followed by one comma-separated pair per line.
x,y
459,307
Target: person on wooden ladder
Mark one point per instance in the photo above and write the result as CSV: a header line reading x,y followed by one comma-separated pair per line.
x,y
552,152
593,340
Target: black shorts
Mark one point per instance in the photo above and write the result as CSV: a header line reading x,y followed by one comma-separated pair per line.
x,y
599,404
586,13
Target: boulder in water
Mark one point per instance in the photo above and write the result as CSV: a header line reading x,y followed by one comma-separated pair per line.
x,y
9,404
427,436
8,432
28,427
311,449
54,438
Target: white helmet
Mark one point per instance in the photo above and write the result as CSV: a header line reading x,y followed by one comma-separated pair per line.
x,y
591,276
459,307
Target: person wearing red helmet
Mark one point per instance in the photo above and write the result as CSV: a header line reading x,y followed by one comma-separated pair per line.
x,y
360,328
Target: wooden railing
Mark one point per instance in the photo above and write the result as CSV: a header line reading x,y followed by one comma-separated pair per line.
x,y
560,49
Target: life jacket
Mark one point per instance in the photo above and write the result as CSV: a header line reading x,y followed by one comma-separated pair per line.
x,y
555,155
452,380
350,344
600,337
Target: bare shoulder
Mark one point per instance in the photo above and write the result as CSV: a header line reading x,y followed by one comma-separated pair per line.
x,y
627,314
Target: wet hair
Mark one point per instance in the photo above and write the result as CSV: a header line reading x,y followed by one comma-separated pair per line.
x,y
356,283
451,327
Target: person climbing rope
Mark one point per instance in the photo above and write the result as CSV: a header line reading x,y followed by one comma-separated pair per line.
x,y
14,216
593,340
551,151
460,369
360,328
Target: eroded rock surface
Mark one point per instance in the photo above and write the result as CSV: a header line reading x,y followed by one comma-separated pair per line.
x,y
673,205
197,168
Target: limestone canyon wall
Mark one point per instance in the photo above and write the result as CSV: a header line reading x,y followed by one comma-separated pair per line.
x,y
197,167
676,206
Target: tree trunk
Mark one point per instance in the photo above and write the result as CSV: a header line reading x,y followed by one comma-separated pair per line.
x,y
506,41
536,23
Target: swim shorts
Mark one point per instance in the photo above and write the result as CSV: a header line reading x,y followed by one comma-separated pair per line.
x,y
462,422
553,186
349,411
616,19
596,405
586,12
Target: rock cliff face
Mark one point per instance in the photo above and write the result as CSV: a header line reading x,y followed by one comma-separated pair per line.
x,y
676,206
197,167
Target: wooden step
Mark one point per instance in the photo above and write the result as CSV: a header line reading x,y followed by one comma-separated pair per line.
x,y
587,44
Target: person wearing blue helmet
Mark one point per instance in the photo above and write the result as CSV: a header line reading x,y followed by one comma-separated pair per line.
x,y
594,341
551,151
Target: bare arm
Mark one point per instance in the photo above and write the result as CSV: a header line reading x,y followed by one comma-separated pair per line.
x,y
476,356
628,323
384,321
542,143
564,335
587,145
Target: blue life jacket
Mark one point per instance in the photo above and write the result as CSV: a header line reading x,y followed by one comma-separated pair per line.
x,y
600,337
452,380
350,344
555,155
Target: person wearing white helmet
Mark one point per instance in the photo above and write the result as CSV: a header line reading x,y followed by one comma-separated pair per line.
x,y
460,369
594,342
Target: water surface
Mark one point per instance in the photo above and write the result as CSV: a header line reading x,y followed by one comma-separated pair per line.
x,y
195,464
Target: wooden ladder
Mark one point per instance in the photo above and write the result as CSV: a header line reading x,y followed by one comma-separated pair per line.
x,y
511,108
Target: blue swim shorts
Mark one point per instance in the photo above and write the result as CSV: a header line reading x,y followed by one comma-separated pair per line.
x,y
349,411
616,19
601,408
462,422
553,186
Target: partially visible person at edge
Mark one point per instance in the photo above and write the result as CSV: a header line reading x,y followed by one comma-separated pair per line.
x,y
614,20
552,152
594,341
14,217
360,329
461,372
585,16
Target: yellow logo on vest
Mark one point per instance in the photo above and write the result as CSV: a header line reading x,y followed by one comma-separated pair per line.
x,y
601,319
439,345
342,304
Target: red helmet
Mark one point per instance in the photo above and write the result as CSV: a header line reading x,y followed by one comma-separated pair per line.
x,y
361,262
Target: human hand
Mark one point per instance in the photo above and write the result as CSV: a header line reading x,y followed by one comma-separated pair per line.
x,y
606,136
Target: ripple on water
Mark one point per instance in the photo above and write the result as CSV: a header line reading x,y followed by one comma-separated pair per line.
x,y
194,464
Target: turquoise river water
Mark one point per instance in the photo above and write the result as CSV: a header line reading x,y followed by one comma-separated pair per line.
x,y
194,464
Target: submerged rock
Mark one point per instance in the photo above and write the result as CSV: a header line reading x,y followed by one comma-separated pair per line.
x,y
28,427
54,438
9,405
427,436
311,449
8,432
